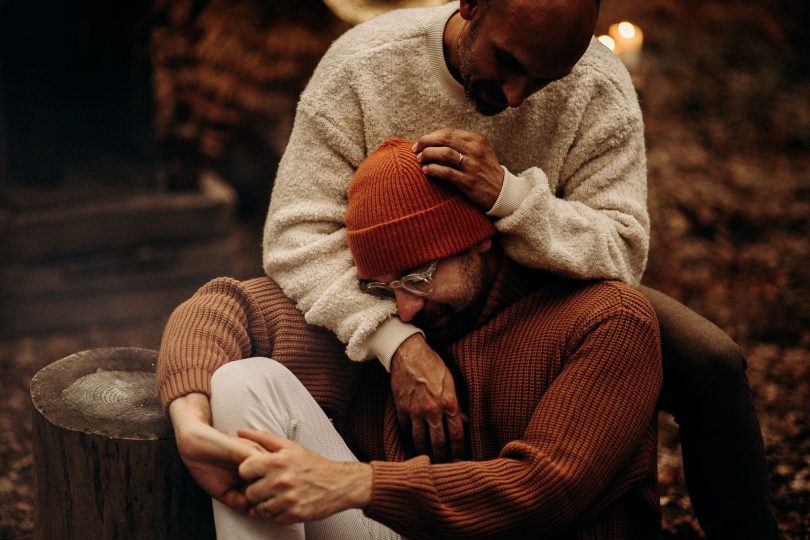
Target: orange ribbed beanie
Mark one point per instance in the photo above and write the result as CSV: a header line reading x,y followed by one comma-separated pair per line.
x,y
398,219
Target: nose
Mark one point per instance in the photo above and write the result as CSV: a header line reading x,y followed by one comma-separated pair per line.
x,y
408,305
515,90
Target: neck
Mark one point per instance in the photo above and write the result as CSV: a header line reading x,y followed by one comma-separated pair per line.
x,y
452,33
492,259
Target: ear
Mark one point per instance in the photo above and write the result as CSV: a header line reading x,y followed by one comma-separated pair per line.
x,y
468,9
482,247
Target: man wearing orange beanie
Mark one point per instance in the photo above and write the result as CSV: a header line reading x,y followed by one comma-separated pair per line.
x,y
559,379
516,104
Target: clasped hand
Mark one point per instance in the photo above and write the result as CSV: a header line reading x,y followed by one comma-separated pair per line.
x,y
292,484
263,474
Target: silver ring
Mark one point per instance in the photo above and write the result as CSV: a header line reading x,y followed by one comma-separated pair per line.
x,y
460,160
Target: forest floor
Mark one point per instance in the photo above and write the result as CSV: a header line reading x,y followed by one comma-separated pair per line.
x,y
724,88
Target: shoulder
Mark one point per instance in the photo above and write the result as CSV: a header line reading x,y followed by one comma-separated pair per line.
x,y
384,38
385,30
600,69
598,89
612,314
616,299
577,306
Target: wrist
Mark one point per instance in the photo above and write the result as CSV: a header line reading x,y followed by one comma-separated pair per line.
x,y
387,339
360,481
514,191
411,343
190,410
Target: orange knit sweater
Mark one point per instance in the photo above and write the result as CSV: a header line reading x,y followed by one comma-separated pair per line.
x,y
559,380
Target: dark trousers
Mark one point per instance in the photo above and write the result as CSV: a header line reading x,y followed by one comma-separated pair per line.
x,y
706,390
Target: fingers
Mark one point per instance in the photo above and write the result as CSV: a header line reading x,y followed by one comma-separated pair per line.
x,y
278,509
267,507
259,466
238,450
235,499
265,439
438,441
449,137
448,173
455,432
440,433
418,433
443,155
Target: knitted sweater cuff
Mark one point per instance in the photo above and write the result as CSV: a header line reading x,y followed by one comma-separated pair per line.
x,y
181,383
514,191
393,482
384,342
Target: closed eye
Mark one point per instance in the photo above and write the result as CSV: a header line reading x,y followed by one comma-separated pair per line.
x,y
508,61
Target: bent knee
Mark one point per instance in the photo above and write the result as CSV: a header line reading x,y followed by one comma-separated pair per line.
x,y
713,374
723,361
238,380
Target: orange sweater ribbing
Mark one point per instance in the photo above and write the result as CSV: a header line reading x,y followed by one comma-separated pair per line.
x,y
559,379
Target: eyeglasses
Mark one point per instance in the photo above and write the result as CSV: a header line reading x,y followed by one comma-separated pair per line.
x,y
420,284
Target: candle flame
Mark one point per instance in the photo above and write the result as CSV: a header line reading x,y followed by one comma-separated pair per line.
x,y
607,41
627,30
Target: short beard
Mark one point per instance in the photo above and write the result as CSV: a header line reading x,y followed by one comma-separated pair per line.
x,y
459,322
467,69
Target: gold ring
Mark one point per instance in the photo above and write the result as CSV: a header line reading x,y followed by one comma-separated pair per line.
x,y
460,160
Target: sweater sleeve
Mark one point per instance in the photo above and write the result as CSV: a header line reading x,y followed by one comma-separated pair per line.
x,y
585,429
305,246
588,218
220,323
596,225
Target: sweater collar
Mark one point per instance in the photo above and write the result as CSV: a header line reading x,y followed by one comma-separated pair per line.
x,y
435,45
511,283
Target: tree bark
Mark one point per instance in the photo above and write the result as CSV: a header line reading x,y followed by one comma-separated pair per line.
x,y
105,460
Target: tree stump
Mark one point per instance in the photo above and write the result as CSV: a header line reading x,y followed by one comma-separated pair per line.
x,y
105,460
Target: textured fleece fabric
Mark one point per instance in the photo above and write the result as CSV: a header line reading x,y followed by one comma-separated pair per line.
x,y
576,148
559,379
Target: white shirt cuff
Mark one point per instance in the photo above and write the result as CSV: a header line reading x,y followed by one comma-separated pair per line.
x,y
513,191
385,341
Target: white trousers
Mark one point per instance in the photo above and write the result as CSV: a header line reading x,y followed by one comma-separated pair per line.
x,y
262,394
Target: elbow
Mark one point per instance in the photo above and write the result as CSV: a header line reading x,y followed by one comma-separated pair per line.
x,y
631,245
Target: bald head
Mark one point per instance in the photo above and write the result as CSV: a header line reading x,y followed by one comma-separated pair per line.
x,y
551,30
509,49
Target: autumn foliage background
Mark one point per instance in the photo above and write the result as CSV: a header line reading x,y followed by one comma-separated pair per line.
x,y
725,91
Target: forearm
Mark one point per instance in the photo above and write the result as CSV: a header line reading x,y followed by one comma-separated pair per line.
x,y
305,247
191,408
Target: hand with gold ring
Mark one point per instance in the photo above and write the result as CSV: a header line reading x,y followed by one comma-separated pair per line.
x,y
266,508
292,484
465,159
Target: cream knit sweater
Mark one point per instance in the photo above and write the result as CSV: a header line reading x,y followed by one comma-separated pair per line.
x,y
574,197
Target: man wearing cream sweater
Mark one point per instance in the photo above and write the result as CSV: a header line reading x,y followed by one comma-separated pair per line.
x,y
559,380
514,103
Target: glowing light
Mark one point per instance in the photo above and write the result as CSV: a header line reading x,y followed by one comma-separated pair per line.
x,y
607,41
627,30
627,41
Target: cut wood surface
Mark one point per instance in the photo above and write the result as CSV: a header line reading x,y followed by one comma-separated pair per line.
x,y
105,461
